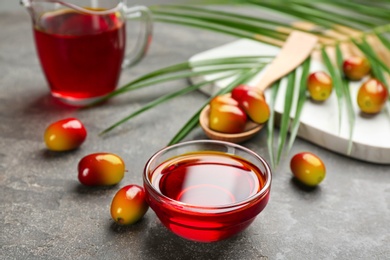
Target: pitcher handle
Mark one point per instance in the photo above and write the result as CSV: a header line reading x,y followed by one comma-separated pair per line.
x,y
145,35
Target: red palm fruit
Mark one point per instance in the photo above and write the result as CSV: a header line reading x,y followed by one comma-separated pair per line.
x,y
372,96
64,135
101,169
129,205
319,85
356,67
308,168
254,104
240,89
222,100
227,119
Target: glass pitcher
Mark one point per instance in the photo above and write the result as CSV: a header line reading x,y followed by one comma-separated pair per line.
x,y
81,47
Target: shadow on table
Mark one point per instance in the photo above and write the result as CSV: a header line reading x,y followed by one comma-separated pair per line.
x,y
306,192
297,184
45,102
162,244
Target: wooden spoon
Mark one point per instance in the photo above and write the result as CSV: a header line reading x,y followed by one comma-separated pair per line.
x,y
295,50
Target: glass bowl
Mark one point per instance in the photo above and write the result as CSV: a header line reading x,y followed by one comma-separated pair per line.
x,y
207,190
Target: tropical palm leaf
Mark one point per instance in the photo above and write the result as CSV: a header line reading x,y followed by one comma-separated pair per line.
x,y
336,23
344,28
271,123
285,121
229,67
300,102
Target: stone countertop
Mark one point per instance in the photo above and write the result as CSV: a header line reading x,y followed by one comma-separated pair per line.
x,y
46,214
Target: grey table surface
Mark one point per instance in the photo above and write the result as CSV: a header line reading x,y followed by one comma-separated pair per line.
x,y
46,214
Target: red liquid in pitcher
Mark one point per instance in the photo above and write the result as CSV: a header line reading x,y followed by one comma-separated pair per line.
x,y
80,54
212,180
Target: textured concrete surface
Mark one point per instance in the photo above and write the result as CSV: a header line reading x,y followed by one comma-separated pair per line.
x,y
46,214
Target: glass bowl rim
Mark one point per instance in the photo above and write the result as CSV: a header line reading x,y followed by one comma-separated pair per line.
x,y
257,196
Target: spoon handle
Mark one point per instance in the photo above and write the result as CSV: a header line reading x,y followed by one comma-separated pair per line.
x,y
295,50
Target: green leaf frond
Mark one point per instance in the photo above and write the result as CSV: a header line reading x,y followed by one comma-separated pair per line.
x,y
301,101
337,82
271,123
285,121
166,98
187,69
335,23
348,99
331,19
